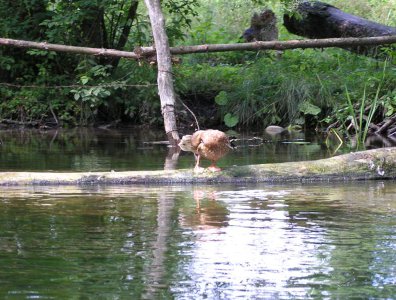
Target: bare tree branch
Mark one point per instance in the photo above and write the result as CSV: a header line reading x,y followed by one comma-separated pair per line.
x,y
68,49
142,52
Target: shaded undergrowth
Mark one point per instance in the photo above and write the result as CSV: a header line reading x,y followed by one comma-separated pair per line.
x,y
299,87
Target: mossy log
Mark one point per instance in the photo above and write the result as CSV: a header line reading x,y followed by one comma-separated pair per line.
x,y
377,164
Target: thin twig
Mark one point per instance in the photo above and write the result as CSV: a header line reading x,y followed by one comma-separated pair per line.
x,y
191,112
54,115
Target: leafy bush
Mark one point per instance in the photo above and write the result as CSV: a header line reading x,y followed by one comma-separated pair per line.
x,y
239,89
300,86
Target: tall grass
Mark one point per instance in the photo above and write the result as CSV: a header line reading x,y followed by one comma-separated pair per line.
x,y
302,86
361,130
361,122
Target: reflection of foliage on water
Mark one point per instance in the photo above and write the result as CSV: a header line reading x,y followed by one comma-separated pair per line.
x,y
79,149
87,149
289,146
352,259
83,241
123,241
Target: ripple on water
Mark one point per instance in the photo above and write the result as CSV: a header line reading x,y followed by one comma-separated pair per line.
x,y
264,242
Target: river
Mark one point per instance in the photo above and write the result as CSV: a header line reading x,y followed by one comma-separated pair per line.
x,y
300,241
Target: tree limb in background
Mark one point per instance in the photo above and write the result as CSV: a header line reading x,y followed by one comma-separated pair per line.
x,y
143,52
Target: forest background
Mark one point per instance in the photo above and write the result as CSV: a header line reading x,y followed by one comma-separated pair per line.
x,y
246,90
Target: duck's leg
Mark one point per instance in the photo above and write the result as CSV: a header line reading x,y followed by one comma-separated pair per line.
x,y
213,167
197,168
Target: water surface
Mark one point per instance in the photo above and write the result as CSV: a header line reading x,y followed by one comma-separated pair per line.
x,y
188,242
199,242
139,149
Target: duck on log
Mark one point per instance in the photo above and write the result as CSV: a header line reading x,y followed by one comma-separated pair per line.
x,y
376,164
317,20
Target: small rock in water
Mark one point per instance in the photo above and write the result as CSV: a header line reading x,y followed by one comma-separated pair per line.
x,y
273,130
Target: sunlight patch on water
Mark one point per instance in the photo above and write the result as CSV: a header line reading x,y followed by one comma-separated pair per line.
x,y
260,251
241,195
200,242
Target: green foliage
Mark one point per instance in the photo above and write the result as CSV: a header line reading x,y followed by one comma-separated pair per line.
x,y
101,89
248,89
35,105
221,98
309,109
181,14
361,122
204,80
388,101
265,94
376,10
230,120
93,94
21,19
302,87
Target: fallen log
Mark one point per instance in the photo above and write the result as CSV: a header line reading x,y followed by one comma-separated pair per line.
x,y
318,20
365,165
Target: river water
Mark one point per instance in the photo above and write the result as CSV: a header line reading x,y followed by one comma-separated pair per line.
x,y
300,241
131,149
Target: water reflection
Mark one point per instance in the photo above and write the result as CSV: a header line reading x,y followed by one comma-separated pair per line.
x,y
83,149
215,242
208,213
87,149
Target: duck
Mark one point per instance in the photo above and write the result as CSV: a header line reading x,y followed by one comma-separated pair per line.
x,y
210,144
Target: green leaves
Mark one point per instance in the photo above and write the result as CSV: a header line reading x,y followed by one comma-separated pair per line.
x,y
84,79
182,13
93,95
230,120
309,109
221,98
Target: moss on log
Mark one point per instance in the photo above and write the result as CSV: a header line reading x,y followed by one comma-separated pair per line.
x,y
365,165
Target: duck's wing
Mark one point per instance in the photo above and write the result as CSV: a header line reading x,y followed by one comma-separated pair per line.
x,y
214,138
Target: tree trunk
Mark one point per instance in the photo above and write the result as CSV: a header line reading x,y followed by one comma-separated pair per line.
x,y
126,29
165,78
377,164
320,20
